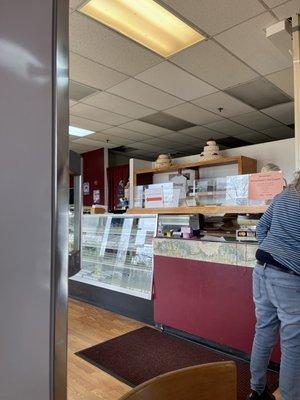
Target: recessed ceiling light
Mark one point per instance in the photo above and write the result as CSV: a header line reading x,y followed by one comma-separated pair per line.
x,y
146,22
74,131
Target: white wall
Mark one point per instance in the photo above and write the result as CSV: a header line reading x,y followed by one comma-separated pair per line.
x,y
281,153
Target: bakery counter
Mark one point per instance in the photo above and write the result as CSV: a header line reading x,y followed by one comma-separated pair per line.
x,y
216,251
203,291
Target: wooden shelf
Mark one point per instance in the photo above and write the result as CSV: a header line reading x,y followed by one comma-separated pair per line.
x,y
201,210
199,164
245,165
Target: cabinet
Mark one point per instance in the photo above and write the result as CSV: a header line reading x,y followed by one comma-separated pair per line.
x,y
117,253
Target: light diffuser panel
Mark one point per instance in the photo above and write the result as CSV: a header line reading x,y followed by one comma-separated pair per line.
x,y
146,22
80,132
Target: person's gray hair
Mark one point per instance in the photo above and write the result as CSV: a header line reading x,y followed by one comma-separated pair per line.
x,y
270,167
296,182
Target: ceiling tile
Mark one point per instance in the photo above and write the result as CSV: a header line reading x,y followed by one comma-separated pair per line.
x,y
190,112
256,120
231,142
111,102
248,41
88,142
127,134
96,114
193,150
171,79
287,9
213,16
184,139
229,104
228,127
259,94
93,40
93,74
280,132
98,143
165,145
273,3
110,139
144,94
75,147
167,121
213,64
147,129
255,137
75,3
72,102
79,91
282,112
144,146
284,80
88,124
202,134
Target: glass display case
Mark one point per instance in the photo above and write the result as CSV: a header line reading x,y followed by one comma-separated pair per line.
x,y
216,227
117,253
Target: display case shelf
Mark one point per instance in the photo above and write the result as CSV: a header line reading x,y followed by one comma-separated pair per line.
x,y
206,210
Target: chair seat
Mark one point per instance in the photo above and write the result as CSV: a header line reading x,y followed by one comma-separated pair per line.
x,y
214,381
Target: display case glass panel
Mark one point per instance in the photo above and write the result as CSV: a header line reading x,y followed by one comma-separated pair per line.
x,y
117,252
71,232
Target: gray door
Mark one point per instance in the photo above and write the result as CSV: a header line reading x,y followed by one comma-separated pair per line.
x,y
33,198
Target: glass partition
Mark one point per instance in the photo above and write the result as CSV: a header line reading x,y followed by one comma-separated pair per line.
x,y
117,252
243,190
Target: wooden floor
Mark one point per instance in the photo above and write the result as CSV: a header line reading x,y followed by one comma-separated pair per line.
x,y
88,326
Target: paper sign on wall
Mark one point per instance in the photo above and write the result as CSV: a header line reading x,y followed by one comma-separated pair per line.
x,y
265,186
86,188
96,196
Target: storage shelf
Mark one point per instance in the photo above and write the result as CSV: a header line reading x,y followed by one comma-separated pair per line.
x,y
246,165
206,210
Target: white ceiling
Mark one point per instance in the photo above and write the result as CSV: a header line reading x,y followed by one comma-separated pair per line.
x,y
128,82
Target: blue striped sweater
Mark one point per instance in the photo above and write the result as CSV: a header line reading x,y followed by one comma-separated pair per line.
x,y
278,231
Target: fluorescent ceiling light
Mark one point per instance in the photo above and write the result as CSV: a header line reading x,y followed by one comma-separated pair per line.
x,y
146,22
74,131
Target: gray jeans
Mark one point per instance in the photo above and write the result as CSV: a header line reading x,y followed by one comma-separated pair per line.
x,y
277,307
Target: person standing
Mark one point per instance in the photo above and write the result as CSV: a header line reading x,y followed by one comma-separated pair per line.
x,y
276,293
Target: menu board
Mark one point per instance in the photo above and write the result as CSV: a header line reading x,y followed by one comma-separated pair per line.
x,y
265,186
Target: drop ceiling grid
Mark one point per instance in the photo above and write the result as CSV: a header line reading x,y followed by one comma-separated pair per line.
x,y
156,65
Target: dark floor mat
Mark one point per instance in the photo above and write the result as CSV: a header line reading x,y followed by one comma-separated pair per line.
x,y
146,353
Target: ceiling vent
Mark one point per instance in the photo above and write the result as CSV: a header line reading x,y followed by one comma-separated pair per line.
x,y
280,35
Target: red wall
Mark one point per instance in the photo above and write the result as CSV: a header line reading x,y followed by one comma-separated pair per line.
x,y
94,173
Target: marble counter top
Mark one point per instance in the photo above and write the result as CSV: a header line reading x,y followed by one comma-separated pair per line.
x,y
232,253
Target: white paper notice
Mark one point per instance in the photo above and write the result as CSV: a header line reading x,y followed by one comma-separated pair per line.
x,y
154,197
138,196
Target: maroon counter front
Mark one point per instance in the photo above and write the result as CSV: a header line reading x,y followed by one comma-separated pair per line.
x,y
210,300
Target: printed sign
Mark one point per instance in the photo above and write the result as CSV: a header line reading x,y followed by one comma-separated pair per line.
x,y
154,197
96,196
265,186
86,188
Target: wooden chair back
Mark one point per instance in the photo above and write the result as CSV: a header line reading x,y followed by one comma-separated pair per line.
x,y
215,381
